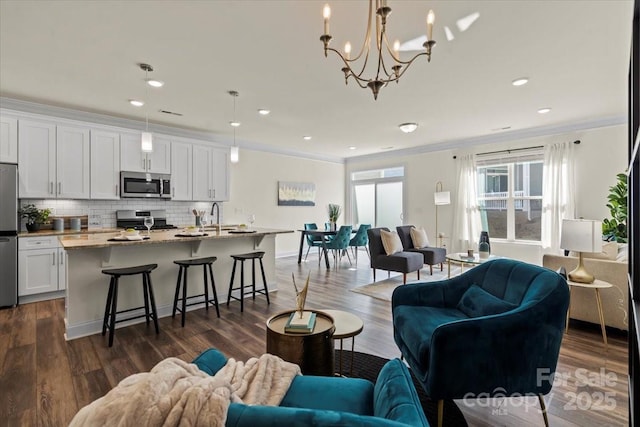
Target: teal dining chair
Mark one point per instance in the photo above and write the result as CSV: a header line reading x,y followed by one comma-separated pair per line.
x,y
313,241
340,243
360,239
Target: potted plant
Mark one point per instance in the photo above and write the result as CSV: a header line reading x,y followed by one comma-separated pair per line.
x,y
34,216
616,227
334,212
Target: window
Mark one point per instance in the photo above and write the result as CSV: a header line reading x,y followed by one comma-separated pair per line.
x,y
510,197
377,197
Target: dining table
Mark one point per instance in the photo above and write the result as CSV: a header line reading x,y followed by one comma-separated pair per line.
x,y
323,234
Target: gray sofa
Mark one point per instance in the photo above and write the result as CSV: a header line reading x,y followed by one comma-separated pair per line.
x,y
403,262
432,255
614,300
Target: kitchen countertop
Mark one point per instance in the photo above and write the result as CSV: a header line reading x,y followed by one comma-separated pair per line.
x,y
100,239
84,231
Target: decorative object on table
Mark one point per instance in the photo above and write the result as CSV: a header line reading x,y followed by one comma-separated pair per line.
x,y
387,70
35,217
484,246
300,321
296,193
440,198
616,227
581,235
469,253
334,212
301,296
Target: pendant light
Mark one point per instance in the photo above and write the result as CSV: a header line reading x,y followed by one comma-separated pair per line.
x,y
146,141
234,154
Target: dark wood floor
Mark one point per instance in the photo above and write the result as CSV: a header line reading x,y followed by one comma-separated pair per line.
x,y
45,379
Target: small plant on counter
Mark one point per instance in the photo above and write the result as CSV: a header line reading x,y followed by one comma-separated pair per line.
x,y
34,216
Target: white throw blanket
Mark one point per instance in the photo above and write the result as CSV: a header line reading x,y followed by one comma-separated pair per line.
x,y
177,393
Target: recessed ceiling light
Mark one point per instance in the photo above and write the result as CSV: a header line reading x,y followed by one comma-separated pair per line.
x,y
263,112
136,103
544,110
408,127
155,83
306,138
352,148
234,124
519,82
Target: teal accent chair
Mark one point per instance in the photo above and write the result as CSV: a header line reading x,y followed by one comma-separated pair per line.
x,y
360,239
340,243
313,241
331,401
496,330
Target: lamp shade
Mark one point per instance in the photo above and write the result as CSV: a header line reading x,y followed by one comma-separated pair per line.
x,y
234,154
146,142
442,198
581,235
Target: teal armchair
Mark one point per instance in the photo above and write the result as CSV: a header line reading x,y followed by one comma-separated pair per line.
x,y
340,243
360,239
496,329
313,241
331,401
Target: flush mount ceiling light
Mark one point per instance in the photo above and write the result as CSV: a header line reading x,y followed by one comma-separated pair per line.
x,y
352,148
146,139
408,127
154,83
384,73
136,103
306,138
544,110
234,153
263,112
519,82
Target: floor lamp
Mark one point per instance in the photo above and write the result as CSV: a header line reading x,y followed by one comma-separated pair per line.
x,y
440,198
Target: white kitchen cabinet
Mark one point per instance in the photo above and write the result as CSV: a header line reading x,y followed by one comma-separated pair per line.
x,y
181,171
8,140
36,159
133,159
105,165
72,162
210,173
53,161
41,265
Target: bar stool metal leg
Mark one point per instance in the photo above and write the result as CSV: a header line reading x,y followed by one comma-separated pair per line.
x,y
264,281
177,294
147,276
233,275
206,287
253,278
184,295
107,307
241,286
213,286
114,308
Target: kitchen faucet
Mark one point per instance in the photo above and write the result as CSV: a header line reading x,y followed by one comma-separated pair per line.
x,y
216,208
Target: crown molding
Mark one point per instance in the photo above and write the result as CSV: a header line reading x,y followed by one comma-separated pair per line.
x,y
488,139
21,106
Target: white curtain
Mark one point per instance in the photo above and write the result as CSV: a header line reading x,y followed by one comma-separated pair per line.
x,y
558,191
466,223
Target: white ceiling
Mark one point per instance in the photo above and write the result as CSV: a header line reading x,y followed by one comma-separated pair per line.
x,y
84,55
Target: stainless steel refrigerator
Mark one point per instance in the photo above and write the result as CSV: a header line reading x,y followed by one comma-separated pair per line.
x,y
8,235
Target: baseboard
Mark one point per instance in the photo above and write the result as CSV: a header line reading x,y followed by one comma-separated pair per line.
x,y
594,327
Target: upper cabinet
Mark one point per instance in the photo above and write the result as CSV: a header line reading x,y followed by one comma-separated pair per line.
x,y
181,171
8,140
133,159
210,173
105,165
53,161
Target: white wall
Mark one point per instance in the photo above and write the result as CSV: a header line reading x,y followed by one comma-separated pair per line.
x,y
600,156
254,189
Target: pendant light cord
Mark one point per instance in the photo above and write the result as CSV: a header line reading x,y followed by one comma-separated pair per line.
x,y
146,97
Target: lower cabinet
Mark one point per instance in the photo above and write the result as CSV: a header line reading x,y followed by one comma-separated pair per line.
x,y
41,265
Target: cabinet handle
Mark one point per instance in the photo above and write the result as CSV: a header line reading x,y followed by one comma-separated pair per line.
x,y
214,193
61,259
149,161
59,188
144,164
54,258
51,187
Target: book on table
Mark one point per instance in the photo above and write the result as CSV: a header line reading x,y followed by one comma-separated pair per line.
x,y
300,325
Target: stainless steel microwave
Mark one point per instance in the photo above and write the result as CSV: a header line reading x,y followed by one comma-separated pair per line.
x,y
145,185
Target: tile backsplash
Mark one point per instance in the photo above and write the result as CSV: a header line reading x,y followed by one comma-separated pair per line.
x,y
104,211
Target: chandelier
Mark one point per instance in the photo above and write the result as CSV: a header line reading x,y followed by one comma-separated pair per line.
x,y
385,72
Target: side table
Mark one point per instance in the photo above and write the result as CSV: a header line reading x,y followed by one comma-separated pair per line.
x,y
313,351
596,286
347,325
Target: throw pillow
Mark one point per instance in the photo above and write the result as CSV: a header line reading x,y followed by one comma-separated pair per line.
x,y
391,242
476,302
419,237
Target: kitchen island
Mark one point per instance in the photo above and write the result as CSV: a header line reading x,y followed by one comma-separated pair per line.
x,y
88,254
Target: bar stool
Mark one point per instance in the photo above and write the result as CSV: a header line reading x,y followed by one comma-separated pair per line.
x,y
111,307
242,258
182,274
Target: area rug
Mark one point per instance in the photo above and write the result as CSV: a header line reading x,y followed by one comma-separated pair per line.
x,y
383,289
368,366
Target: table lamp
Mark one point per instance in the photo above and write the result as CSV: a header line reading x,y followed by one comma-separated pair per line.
x,y
581,235
440,198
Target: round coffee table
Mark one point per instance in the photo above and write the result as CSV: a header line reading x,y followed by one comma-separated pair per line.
x,y
347,325
313,351
462,259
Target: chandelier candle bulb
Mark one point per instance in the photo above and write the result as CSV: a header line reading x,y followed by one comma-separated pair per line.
x,y
431,17
326,13
347,50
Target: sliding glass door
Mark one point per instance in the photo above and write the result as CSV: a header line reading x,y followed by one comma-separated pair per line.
x,y
378,197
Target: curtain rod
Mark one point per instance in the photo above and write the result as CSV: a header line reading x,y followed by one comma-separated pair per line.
x,y
519,149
